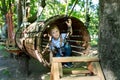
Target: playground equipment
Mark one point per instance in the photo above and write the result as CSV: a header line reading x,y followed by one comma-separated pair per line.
x,y
31,40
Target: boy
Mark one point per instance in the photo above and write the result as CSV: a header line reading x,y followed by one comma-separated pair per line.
x,y
58,44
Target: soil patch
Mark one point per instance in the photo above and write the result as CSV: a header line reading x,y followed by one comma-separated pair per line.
x,y
10,68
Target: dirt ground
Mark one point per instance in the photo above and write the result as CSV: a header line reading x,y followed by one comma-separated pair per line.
x,y
10,68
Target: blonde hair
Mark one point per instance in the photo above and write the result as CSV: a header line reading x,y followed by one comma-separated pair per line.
x,y
51,28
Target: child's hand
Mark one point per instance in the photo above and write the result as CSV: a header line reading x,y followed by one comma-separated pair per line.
x,y
50,37
47,36
69,23
44,35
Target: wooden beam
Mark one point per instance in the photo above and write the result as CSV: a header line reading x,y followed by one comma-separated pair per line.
x,y
13,50
80,71
81,78
78,52
75,59
2,43
99,70
77,47
51,73
60,69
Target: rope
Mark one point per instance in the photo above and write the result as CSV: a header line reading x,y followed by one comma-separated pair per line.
x,y
73,7
66,10
40,8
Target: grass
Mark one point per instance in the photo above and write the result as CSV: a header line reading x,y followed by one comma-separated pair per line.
x,y
1,47
6,72
4,53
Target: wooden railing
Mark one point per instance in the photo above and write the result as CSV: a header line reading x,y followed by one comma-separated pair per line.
x,y
57,69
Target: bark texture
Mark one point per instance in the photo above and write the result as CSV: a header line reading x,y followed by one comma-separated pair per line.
x,y
109,38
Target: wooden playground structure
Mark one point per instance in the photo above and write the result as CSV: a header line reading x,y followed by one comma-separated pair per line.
x,y
34,44
94,67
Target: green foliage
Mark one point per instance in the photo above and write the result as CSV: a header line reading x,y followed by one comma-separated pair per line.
x,y
4,8
6,72
33,7
4,53
57,7
94,42
1,47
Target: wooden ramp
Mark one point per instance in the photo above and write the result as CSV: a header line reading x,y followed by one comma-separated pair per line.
x,y
57,71
2,41
13,50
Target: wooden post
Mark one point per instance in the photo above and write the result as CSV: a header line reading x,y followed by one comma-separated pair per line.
x,y
99,70
56,74
60,69
51,73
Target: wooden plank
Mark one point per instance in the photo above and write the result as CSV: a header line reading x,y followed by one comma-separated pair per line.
x,y
12,50
51,73
76,70
56,71
51,56
75,59
81,78
80,71
76,36
77,52
77,41
60,69
2,40
2,43
77,47
99,71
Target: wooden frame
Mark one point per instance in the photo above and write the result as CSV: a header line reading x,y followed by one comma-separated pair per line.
x,y
57,71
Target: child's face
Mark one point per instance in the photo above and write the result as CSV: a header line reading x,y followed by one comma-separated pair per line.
x,y
55,33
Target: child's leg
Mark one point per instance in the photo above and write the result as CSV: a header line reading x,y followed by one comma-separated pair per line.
x,y
58,54
68,52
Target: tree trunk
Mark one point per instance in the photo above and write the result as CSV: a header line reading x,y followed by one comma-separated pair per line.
x,y
19,13
109,38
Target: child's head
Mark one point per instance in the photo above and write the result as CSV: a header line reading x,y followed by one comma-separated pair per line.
x,y
54,31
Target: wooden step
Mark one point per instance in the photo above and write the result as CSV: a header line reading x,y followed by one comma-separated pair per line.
x,y
75,72
81,78
2,43
75,59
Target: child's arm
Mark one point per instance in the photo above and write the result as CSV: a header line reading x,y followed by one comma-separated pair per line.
x,y
69,24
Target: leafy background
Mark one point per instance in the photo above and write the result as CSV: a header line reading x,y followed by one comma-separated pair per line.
x,y
57,7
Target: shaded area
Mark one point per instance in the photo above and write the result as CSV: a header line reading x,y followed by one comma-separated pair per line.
x,y
10,68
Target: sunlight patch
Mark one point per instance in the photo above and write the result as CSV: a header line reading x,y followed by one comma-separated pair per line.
x,y
3,68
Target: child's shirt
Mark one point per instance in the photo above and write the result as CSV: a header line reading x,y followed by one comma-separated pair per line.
x,y
57,43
